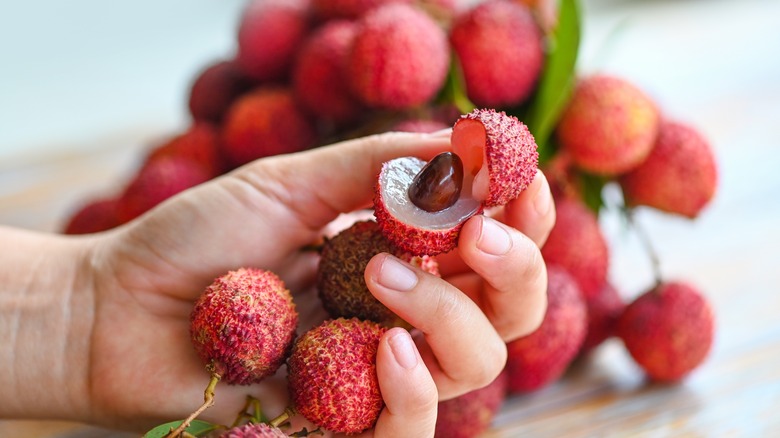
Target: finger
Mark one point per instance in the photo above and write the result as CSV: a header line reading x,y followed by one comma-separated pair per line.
x,y
533,212
453,327
409,392
513,293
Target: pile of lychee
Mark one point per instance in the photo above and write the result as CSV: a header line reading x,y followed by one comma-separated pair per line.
x,y
312,72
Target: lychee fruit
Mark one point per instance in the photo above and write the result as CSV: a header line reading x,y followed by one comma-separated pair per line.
x,y
319,76
540,358
269,34
679,176
348,9
421,206
668,330
399,57
340,275
422,126
608,126
95,216
470,414
199,144
265,122
244,325
214,90
157,181
332,375
254,430
499,48
577,244
604,309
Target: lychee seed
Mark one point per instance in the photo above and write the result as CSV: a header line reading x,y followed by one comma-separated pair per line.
x,y
438,184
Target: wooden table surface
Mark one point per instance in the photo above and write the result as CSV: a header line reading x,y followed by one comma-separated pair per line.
x,y
713,63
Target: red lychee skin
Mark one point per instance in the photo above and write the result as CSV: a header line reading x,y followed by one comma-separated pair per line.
x,y
536,360
399,57
269,35
351,9
320,77
577,244
608,126
499,48
95,216
254,430
604,309
668,330
244,323
421,126
214,90
470,414
157,181
332,375
265,122
679,176
199,144
510,150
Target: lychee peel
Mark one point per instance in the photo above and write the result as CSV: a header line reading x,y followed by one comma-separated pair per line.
x,y
214,90
332,375
604,309
350,9
244,325
470,414
199,144
95,216
254,430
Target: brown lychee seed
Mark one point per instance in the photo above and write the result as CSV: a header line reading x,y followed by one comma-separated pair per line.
x,y
244,325
438,184
332,375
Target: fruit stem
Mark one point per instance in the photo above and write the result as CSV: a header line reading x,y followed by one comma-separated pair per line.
x,y
283,417
655,261
208,401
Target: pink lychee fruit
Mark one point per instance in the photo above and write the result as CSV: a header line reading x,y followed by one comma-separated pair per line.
x,y
608,126
668,330
536,360
679,176
349,9
399,57
332,375
422,126
199,144
244,325
254,430
93,217
214,90
604,309
499,48
470,414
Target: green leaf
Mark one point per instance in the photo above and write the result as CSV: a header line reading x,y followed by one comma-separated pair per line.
x,y
454,92
197,428
558,77
592,187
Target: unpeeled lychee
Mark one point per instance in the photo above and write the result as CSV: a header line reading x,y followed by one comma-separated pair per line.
x,y
214,89
350,9
540,358
679,176
254,430
340,275
668,330
470,414
499,48
399,57
95,216
332,375
604,309
577,244
199,144
608,126
244,325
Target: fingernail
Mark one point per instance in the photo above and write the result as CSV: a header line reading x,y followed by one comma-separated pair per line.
x,y
543,198
402,347
394,274
493,238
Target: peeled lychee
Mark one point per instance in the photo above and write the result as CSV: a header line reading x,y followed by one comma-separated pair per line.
x,y
499,48
577,244
668,330
540,358
470,414
608,126
244,325
214,90
679,176
95,216
340,276
330,9
399,57
499,160
199,144
332,375
254,430
265,122
604,309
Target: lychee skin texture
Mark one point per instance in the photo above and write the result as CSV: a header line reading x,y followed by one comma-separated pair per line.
x,y
350,9
319,76
95,216
269,35
244,323
604,309
499,47
470,414
609,125
538,359
214,90
577,244
254,430
265,122
679,176
668,330
332,375
399,57
199,144
340,275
